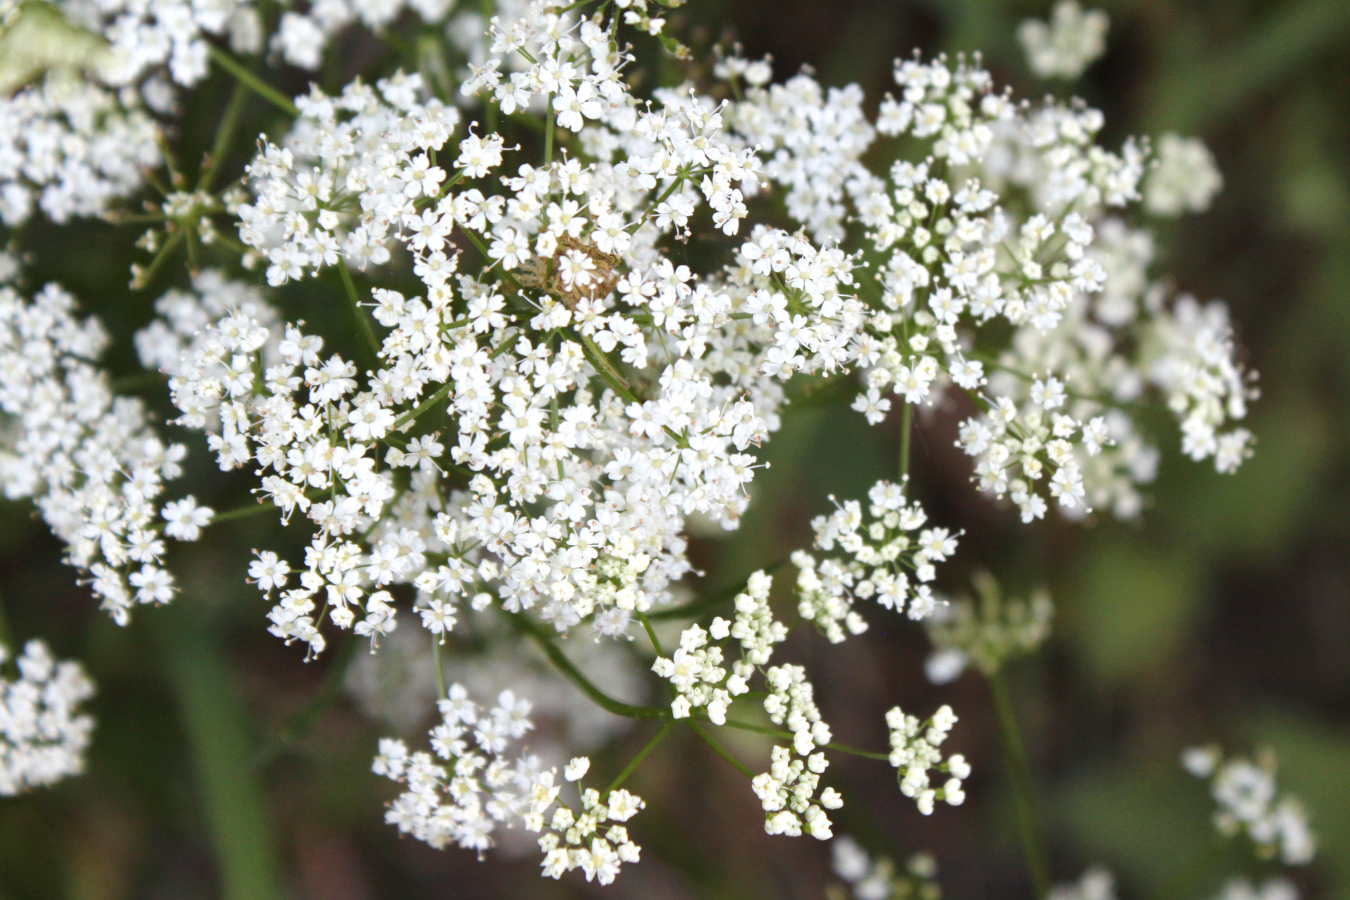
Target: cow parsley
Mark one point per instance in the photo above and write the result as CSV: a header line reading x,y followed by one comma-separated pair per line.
x,y
526,382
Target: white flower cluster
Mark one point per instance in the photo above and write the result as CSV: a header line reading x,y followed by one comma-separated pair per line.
x,y
182,329
1181,348
354,167
1185,179
915,753
86,457
359,172
302,36
147,36
1250,803
582,841
812,138
1006,222
884,553
75,145
70,147
1190,357
1067,44
877,879
788,791
985,633
476,787
43,735
696,670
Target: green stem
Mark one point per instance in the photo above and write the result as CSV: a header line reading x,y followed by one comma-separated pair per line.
x,y
637,760
224,135
139,381
242,512
606,369
651,634
362,322
564,665
256,84
1019,774
215,726
787,735
440,668
906,431
548,133
146,275
665,195
720,750
298,725
422,407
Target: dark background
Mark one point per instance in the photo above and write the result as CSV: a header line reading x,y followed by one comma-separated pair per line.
x,y
1224,616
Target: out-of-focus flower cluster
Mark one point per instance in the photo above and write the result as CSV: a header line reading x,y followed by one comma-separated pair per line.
x,y
879,879
1067,44
87,458
985,632
43,733
1250,803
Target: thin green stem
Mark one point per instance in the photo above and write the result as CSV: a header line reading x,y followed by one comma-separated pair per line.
x,y
256,84
298,725
787,735
363,323
854,751
408,417
720,750
145,276
564,665
224,135
1019,774
440,667
651,634
606,369
906,432
243,512
548,133
637,760
139,381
